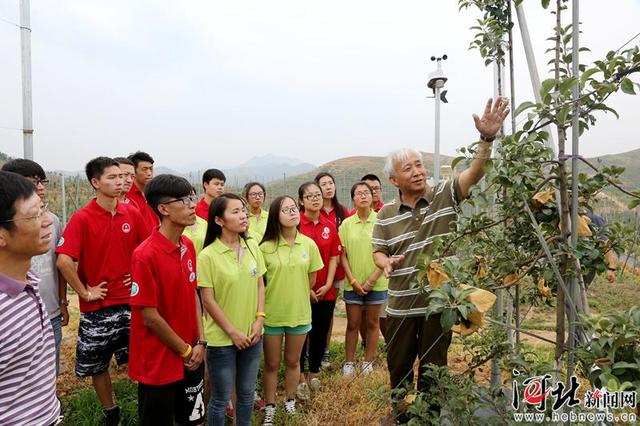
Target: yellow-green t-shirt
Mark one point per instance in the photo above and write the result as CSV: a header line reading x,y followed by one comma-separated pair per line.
x,y
287,294
235,286
196,233
356,240
258,226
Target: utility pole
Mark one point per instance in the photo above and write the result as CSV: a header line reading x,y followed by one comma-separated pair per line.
x,y
25,47
436,83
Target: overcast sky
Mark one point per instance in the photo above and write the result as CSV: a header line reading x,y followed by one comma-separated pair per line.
x,y
217,82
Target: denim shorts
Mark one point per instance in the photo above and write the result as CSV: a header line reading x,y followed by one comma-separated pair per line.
x,y
371,298
279,331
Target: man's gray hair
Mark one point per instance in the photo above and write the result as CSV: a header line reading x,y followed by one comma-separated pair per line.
x,y
398,156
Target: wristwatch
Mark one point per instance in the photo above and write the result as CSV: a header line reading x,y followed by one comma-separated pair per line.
x,y
201,342
484,138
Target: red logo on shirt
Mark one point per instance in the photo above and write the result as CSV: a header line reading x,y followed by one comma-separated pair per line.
x,y
126,228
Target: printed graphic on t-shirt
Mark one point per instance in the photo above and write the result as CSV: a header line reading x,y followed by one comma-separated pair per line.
x,y
325,233
134,289
126,228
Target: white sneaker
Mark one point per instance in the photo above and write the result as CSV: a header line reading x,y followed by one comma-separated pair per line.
x,y
348,369
290,407
326,361
303,393
269,415
314,384
367,368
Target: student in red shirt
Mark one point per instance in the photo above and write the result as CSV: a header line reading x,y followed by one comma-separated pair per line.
x,y
323,295
128,175
167,340
143,170
101,237
336,213
213,181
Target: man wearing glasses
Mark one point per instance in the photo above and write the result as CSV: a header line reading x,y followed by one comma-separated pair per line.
x,y
101,238
27,352
52,286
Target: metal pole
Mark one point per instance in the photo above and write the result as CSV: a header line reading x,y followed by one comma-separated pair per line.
x,y
25,48
64,200
575,136
436,150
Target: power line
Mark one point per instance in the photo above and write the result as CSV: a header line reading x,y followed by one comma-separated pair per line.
x,y
9,22
629,41
10,128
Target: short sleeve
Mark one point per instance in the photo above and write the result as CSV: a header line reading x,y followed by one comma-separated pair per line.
x,y
262,267
144,287
315,260
70,243
336,245
205,270
456,192
143,228
378,238
343,232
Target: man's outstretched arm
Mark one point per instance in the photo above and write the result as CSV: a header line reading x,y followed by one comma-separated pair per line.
x,y
488,125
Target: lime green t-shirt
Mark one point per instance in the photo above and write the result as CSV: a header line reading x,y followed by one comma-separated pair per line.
x,y
196,233
287,294
355,235
235,286
258,226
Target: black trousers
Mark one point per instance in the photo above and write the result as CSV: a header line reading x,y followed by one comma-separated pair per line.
x,y
411,339
321,315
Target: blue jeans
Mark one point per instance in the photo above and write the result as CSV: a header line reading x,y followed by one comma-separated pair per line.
x,y
56,323
227,363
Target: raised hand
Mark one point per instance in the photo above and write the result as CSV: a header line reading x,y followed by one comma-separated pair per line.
x,y
494,114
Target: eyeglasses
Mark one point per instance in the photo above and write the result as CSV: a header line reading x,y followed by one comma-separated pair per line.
x,y
36,181
316,196
256,195
376,188
186,200
43,209
290,210
362,193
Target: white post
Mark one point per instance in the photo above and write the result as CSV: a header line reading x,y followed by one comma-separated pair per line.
x,y
436,126
25,45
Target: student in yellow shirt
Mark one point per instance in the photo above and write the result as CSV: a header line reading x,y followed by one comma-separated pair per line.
x,y
255,193
292,260
367,288
230,270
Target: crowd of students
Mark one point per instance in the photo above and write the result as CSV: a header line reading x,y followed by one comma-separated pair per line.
x,y
192,293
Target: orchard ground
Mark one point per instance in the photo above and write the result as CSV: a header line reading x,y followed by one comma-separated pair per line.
x,y
341,401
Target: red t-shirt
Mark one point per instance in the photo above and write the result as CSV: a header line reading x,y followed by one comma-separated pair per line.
x,y
376,208
326,237
164,277
331,216
202,209
102,244
137,199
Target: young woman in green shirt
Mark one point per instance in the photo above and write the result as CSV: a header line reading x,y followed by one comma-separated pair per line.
x,y
367,286
292,260
230,270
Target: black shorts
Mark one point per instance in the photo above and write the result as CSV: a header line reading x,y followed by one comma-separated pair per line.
x,y
180,402
101,335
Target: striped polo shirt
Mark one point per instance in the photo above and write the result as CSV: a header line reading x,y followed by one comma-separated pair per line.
x,y
27,356
402,230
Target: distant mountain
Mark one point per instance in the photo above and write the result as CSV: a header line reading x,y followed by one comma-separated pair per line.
x,y
630,160
264,169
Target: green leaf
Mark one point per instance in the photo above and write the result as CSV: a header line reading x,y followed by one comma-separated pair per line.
x,y
567,84
546,87
524,106
627,86
545,3
456,160
448,319
588,73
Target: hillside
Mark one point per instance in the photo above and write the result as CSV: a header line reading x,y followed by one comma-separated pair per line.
x,y
629,160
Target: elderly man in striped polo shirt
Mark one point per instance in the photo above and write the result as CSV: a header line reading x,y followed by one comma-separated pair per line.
x,y
27,349
405,229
